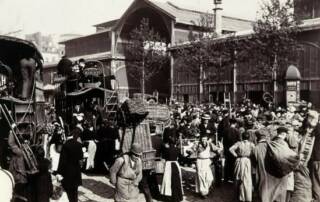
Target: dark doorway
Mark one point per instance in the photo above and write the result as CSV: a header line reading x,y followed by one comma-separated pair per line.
x,y
305,95
185,98
217,97
256,97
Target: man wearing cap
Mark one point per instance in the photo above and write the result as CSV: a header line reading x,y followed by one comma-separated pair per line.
x,y
126,174
70,164
304,179
313,120
269,188
204,177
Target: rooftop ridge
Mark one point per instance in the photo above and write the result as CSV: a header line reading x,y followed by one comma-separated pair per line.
x,y
202,12
110,21
186,9
237,18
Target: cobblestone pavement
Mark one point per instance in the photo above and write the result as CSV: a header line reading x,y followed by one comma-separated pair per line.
x,y
98,188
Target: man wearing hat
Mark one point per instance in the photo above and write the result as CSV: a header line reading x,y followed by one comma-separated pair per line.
x,y
206,128
230,137
70,164
126,174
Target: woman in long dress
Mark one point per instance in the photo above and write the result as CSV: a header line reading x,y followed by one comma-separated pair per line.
x,y
172,180
242,151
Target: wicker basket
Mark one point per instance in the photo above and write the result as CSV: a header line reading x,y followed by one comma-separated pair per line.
x,y
158,112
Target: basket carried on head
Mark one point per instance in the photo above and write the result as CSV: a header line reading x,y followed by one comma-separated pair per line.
x,y
134,112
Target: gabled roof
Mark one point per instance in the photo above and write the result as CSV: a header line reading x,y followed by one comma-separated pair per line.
x,y
132,6
191,17
107,24
83,37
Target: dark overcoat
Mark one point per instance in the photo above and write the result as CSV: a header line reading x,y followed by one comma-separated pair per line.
x,y
69,164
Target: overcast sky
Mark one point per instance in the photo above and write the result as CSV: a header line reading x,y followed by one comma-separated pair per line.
x,y
78,16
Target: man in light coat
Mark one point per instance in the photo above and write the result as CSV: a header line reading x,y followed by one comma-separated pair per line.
x,y
126,174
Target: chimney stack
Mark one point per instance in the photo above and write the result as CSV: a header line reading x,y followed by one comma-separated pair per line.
x,y
217,11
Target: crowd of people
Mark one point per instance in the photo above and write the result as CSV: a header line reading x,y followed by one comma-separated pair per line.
x,y
268,154
273,153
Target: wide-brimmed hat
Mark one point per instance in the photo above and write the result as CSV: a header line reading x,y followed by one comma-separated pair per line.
x,y
136,149
206,117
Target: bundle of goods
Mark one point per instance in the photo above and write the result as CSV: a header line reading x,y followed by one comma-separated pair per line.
x,y
134,112
280,159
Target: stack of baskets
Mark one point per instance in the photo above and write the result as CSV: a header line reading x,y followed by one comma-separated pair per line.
x,y
143,138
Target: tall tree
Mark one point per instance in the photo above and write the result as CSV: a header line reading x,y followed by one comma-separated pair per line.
x,y
275,37
145,53
195,57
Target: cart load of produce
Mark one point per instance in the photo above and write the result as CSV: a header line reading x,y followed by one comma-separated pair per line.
x,y
134,111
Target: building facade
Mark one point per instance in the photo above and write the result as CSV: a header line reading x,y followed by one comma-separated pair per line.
x,y
173,24
240,82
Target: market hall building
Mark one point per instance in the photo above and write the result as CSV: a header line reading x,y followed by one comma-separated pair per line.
x,y
299,81
172,22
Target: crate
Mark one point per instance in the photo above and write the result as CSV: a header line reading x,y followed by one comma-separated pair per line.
x,y
149,154
149,165
149,159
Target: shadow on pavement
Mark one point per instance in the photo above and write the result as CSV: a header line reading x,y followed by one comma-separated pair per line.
x,y
98,188
223,193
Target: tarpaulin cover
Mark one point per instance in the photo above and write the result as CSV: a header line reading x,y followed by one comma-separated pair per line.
x,y
86,90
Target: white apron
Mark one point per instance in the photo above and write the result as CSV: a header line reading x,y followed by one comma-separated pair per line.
x,y
204,176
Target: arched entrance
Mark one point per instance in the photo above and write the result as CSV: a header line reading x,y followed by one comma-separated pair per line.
x,y
161,24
